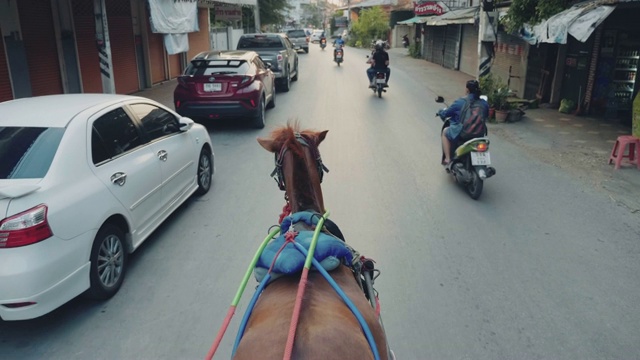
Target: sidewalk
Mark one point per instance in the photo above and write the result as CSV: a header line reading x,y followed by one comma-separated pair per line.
x,y
578,144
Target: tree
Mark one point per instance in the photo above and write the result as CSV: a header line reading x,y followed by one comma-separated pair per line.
x,y
531,12
272,11
372,24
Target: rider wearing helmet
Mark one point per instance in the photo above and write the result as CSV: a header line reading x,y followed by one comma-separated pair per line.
x,y
379,62
338,43
451,133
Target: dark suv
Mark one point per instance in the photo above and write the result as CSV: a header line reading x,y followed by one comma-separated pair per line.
x,y
299,39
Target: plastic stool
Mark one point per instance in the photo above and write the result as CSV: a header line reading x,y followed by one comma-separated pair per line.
x,y
617,154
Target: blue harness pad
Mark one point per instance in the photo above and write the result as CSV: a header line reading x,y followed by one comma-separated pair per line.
x,y
329,251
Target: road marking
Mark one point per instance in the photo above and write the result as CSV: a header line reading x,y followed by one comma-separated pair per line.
x,y
550,126
539,120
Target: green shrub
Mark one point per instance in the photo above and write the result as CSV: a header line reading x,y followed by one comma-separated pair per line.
x,y
414,50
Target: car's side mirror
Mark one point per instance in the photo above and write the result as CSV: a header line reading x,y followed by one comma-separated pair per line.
x,y
439,99
185,123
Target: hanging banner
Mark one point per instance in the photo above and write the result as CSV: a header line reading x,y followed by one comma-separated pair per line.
x,y
174,16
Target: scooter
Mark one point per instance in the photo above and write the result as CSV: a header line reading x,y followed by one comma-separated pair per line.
x,y
405,41
323,43
470,161
338,54
380,82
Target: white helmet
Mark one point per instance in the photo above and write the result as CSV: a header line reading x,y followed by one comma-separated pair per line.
x,y
379,44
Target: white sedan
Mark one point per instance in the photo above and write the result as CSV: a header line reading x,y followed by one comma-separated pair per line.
x,y
84,180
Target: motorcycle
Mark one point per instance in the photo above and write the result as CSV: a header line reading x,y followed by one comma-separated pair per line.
x,y
470,160
379,84
405,41
323,43
338,54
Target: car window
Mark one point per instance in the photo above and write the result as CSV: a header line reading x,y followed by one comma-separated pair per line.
x,y
114,133
156,122
27,152
217,67
259,42
296,33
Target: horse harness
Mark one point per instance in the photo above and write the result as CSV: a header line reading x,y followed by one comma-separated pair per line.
x,y
304,140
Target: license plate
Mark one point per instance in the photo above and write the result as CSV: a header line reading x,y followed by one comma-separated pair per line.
x,y
480,158
208,87
379,81
339,56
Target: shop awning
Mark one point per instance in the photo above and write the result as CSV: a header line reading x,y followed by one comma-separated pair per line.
x,y
371,3
460,16
580,21
413,20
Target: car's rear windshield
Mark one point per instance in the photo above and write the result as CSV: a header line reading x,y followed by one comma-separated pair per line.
x,y
217,67
296,33
259,42
27,152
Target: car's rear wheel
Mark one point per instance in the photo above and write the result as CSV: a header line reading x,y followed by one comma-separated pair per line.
x,y
108,263
258,120
286,82
295,78
205,171
272,103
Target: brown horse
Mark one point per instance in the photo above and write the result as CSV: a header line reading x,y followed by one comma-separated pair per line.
x,y
326,329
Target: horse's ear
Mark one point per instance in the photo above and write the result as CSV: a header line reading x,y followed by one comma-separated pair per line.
x,y
267,144
322,135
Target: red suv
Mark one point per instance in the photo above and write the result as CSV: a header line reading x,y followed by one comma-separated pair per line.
x,y
226,84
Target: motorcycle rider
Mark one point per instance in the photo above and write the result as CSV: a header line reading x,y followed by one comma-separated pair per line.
x,y
451,134
379,61
323,39
338,43
405,40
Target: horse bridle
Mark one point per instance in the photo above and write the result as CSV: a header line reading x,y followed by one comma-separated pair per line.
x,y
278,174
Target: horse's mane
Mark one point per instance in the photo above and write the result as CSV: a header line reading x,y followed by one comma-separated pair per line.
x,y
286,136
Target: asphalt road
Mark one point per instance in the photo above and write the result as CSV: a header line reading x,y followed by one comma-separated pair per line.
x,y
540,267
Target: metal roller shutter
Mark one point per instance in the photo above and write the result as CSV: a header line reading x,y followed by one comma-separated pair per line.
x,y
85,28
199,41
439,33
175,69
6,93
123,51
156,53
451,58
40,46
469,52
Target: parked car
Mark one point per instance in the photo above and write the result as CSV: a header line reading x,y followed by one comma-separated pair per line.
x,y
275,49
315,35
226,84
84,180
299,39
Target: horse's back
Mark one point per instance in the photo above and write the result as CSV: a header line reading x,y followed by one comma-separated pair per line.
x,y
327,329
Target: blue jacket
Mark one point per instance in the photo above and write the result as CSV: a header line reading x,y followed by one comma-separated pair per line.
x,y
453,112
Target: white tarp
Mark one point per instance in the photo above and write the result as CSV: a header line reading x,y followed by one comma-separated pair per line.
x,y
579,21
176,43
173,16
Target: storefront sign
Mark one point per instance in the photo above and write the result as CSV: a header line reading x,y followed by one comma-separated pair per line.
x,y
427,8
227,12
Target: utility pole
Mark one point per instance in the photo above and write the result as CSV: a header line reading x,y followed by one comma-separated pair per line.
x,y
256,16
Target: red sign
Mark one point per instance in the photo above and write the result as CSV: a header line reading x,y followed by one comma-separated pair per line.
x,y
427,8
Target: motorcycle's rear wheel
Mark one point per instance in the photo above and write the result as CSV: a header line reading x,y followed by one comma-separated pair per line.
x,y
474,187
379,91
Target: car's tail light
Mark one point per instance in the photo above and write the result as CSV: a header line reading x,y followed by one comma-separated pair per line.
x,y
280,58
25,228
246,81
482,147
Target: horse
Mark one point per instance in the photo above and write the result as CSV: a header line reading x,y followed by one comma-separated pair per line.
x,y
326,328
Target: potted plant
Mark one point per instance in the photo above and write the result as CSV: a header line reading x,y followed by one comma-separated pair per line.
x,y
501,104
